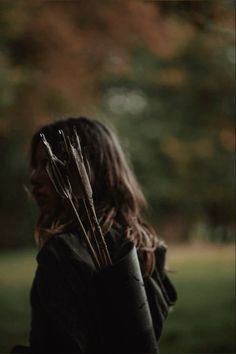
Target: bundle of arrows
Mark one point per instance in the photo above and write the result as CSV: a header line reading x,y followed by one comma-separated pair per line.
x,y
59,172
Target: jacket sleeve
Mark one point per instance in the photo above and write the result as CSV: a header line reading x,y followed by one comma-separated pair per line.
x,y
62,294
160,291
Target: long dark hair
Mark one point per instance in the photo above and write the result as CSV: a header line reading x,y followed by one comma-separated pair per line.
x,y
117,196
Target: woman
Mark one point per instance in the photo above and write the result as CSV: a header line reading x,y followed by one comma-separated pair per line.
x,y
65,306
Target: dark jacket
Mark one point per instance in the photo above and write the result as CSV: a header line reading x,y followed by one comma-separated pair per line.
x,y
65,309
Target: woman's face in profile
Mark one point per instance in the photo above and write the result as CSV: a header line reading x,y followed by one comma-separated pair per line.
x,y
43,190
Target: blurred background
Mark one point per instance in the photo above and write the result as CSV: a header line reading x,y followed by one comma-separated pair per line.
x,y
161,74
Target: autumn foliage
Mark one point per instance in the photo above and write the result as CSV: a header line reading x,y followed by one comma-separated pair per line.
x,y
161,72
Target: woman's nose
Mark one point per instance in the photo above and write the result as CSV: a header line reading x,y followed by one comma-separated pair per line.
x,y
36,177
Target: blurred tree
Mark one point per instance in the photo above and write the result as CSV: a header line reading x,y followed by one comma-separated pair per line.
x,y
163,67
182,141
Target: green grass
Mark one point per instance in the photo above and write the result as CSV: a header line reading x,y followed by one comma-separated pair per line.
x,y
201,322
16,275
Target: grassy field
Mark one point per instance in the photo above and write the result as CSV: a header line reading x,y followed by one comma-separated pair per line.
x,y
201,322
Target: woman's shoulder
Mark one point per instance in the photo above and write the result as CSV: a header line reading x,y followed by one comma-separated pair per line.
x,y
69,248
55,245
66,248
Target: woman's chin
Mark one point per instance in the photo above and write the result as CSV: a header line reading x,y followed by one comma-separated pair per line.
x,y
44,208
